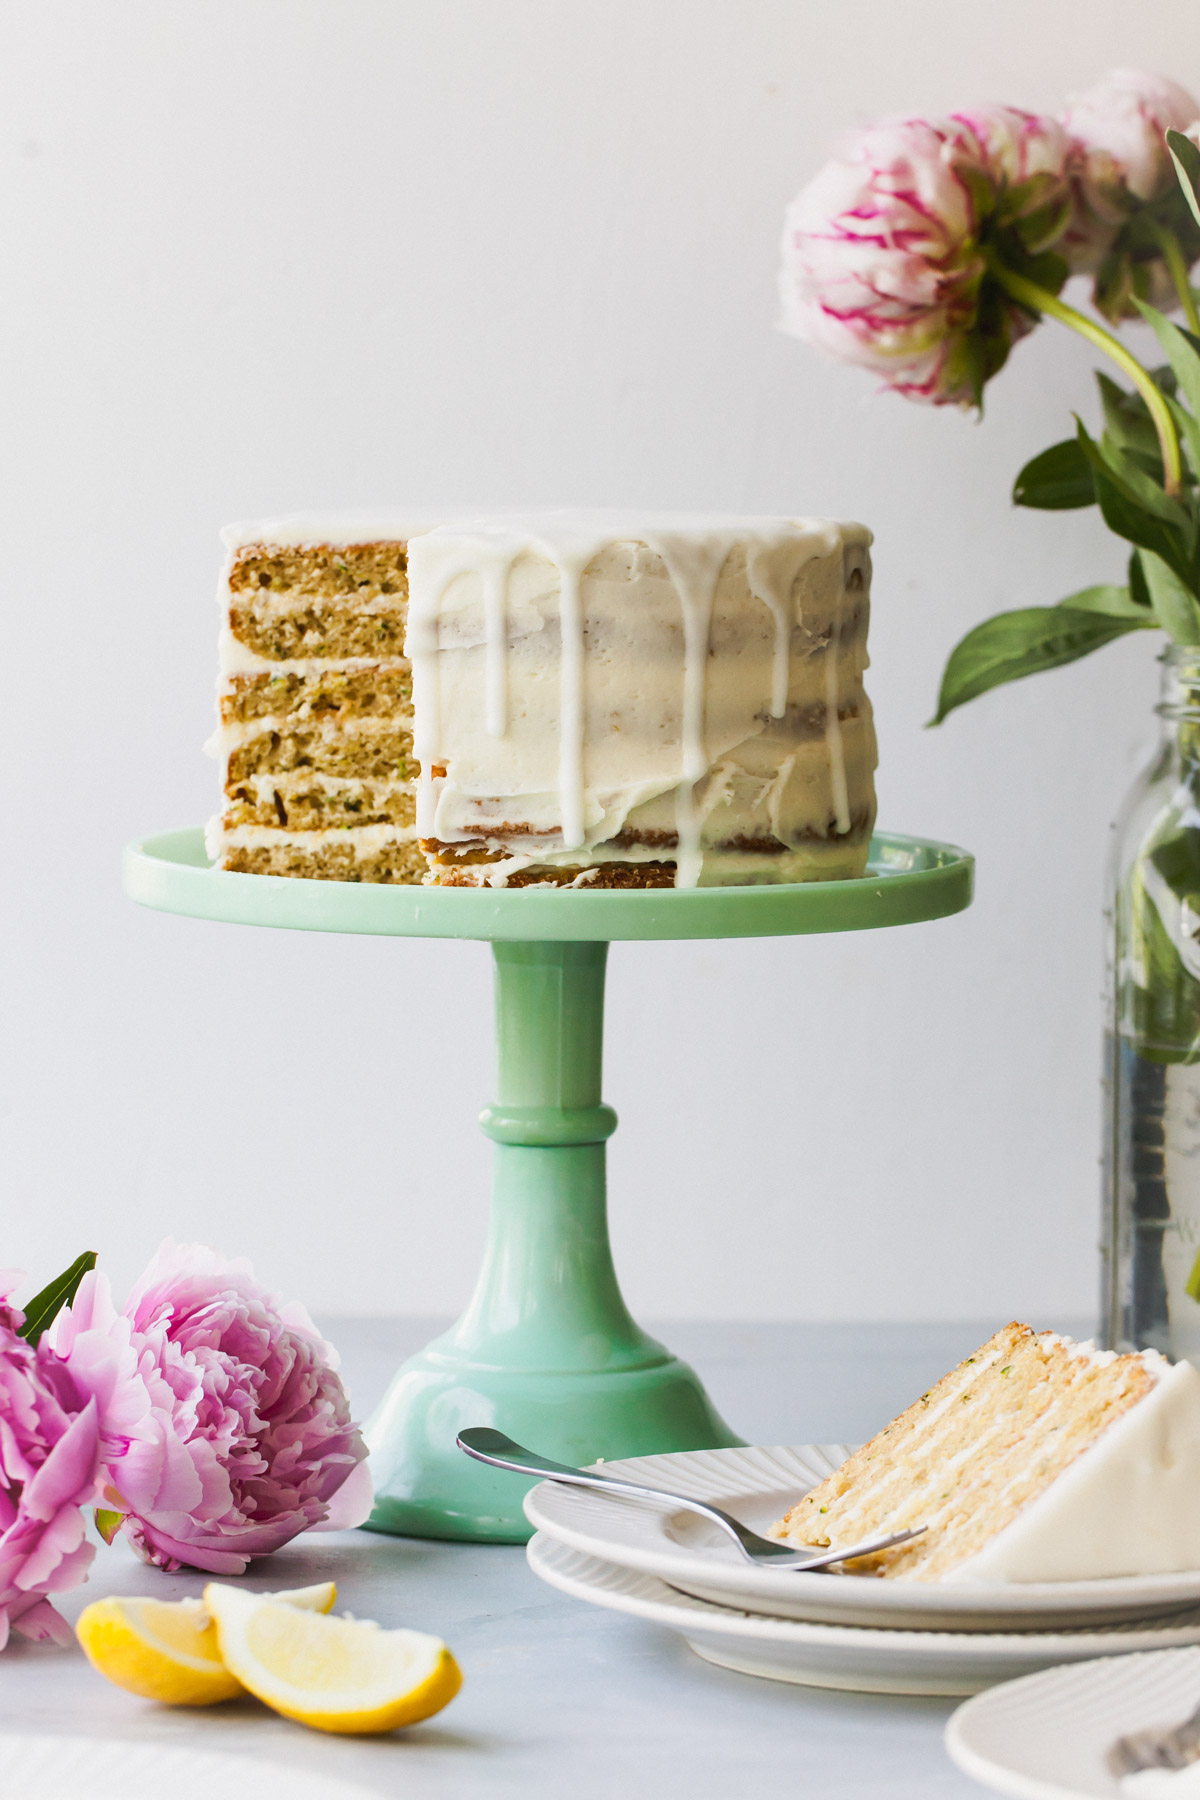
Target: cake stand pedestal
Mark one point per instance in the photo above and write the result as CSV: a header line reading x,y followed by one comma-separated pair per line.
x,y
546,1350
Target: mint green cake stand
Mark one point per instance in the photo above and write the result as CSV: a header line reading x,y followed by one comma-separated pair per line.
x,y
546,1350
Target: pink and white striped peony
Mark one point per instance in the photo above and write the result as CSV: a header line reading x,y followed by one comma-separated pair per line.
x,y
884,261
1126,191
1119,129
49,1472
226,1427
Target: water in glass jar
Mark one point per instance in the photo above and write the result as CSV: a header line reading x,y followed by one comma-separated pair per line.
x,y
1151,1238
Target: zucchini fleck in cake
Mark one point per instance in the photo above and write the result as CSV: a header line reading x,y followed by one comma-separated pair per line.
x,y
568,698
1037,1459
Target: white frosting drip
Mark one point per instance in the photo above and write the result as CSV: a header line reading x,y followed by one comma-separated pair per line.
x,y
495,566
833,727
1126,1506
495,611
572,722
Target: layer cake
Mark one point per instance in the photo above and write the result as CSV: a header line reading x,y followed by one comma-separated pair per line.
x,y
582,699
1037,1459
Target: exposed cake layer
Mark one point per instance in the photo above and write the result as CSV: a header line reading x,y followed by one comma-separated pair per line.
x,y
375,853
379,748
294,575
691,686
304,802
977,1452
315,703
349,691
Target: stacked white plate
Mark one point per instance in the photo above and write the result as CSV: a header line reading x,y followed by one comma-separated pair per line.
x,y
825,1630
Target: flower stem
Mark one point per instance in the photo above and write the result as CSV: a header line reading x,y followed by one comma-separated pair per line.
x,y
1177,268
1040,300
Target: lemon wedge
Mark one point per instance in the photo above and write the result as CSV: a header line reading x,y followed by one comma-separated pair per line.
x,y
343,1675
167,1649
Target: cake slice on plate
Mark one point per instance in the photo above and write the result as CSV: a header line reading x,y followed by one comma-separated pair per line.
x,y
1037,1459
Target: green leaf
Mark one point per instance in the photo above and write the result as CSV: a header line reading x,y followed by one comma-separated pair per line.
x,y
1161,994
1124,513
45,1307
1058,479
1113,287
1024,642
1174,605
1126,418
1036,210
1182,351
1114,603
1138,591
1189,434
1142,487
1186,158
107,1523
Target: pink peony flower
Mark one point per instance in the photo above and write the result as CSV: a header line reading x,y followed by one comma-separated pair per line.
x,y
49,1472
1120,127
226,1428
1125,186
885,251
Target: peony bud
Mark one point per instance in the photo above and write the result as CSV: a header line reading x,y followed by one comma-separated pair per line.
x,y
1120,126
1126,190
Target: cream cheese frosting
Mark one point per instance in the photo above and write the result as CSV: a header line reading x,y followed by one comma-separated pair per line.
x,y
1129,1505
582,679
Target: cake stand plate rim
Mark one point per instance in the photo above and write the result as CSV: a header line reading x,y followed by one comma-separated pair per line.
x,y
910,880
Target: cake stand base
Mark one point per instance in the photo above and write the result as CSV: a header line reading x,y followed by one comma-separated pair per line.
x,y
422,1486
546,1351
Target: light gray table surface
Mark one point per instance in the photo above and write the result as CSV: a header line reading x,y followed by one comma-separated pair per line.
x,y
560,1698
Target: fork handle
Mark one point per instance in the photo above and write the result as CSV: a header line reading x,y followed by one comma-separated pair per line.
x,y
489,1446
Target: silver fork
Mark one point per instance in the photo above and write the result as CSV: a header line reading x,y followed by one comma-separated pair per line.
x,y
1174,1749
488,1446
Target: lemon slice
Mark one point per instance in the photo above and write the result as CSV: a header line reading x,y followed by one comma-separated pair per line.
x,y
343,1675
168,1650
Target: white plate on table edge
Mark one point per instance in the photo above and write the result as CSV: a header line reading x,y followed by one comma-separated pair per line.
x,y
839,1656
90,1768
757,1485
1047,1736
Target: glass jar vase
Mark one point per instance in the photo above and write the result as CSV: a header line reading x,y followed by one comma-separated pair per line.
x,y
1150,1240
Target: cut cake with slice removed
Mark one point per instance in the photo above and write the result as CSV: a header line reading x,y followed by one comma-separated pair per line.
x,y
1037,1459
593,699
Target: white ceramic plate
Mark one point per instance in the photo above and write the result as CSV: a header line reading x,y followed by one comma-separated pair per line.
x,y
757,1486
1046,1737
838,1656
84,1768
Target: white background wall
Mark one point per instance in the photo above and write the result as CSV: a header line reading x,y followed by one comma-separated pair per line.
x,y
261,255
